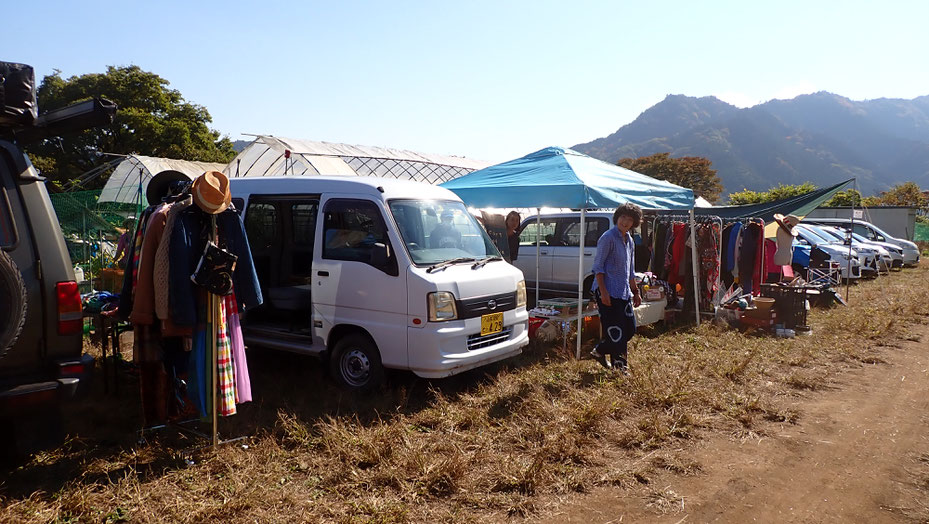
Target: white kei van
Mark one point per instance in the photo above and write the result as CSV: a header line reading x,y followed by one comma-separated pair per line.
x,y
373,273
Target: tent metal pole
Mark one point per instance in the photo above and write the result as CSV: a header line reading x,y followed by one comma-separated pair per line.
x,y
693,256
214,358
538,250
580,280
848,260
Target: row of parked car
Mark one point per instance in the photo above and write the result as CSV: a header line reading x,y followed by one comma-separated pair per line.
x,y
860,248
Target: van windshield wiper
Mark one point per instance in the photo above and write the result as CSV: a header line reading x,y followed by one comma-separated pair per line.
x,y
480,263
443,265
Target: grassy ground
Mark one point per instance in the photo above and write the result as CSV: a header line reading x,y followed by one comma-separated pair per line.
x,y
510,441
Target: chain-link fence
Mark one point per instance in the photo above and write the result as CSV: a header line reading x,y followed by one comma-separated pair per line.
x,y
92,229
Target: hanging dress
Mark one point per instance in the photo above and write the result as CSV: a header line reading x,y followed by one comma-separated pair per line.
x,y
243,386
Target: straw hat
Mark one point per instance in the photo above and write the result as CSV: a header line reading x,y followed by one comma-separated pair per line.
x,y
787,222
211,192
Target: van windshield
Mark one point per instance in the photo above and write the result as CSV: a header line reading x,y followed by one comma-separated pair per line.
x,y
436,231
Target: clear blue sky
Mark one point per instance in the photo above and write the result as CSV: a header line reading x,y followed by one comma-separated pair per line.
x,y
488,79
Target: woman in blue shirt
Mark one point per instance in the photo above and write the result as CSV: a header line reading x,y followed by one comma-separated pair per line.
x,y
615,288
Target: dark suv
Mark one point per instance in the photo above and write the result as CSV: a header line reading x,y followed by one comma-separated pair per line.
x,y
41,360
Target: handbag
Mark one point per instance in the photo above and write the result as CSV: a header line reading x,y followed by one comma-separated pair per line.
x,y
214,271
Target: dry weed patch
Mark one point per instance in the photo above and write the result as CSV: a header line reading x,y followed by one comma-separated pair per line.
x,y
492,444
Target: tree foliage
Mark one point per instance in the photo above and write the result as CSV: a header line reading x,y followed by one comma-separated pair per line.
x,y
740,198
693,172
905,194
847,198
151,120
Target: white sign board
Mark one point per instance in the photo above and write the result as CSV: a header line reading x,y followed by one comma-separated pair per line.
x,y
858,213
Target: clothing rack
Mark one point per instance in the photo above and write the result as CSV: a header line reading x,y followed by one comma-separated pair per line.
x,y
722,222
702,219
749,219
691,219
213,357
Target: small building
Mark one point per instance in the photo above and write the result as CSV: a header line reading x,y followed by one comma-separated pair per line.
x,y
899,221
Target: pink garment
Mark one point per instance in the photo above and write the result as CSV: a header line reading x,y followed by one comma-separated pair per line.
x,y
770,247
243,386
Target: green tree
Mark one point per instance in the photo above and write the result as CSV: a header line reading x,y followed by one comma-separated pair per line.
x,y
906,194
745,197
151,120
781,191
849,197
693,172
871,201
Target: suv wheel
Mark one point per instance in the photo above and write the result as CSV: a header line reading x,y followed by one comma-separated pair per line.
x,y
12,303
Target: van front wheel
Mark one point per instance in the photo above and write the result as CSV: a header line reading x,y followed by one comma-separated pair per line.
x,y
355,363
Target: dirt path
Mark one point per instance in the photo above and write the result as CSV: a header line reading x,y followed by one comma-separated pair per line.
x,y
858,453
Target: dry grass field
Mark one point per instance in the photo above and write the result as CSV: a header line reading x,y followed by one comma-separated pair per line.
x,y
508,442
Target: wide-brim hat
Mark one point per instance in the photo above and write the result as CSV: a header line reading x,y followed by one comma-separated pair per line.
x,y
787,223
159,184
211,192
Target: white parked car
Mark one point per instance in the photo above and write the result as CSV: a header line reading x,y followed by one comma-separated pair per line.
x,y
373,273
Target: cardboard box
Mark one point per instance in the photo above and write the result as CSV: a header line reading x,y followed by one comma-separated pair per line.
x,y
765,320
761,314
110,280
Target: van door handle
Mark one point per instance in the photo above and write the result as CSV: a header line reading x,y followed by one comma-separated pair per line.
x,y
323,273
543,252
588,254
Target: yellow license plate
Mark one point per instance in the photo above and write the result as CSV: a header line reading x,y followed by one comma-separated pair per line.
x,y
492,323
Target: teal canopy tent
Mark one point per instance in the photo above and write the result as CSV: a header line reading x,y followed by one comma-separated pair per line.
x,y
559,177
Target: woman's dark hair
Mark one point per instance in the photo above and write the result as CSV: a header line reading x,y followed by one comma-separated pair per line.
x,y
630,210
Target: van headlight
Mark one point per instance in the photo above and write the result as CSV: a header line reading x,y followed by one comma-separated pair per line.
x,y
521,293
441,306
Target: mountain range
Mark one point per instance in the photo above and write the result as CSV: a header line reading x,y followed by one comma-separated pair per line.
x,y
822,138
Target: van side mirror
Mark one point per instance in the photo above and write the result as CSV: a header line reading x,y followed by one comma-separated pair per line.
x,y
380,255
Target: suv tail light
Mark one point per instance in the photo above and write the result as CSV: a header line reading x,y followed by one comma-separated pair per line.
x,y
69,308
